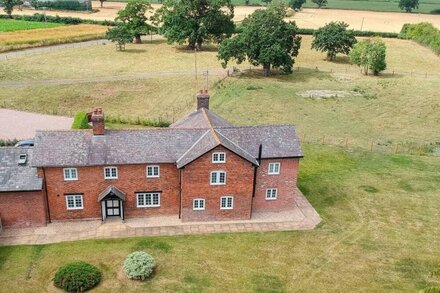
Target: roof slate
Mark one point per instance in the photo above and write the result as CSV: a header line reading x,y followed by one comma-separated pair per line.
x,y
201,118
15,177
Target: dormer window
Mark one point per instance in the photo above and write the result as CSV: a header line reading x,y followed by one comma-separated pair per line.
x,y
22,159
219,157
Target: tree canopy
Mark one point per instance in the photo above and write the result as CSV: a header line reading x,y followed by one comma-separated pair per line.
x,y
9,5
333,38
320,3
119,34
296,4
196,21
408,5
370,55
266,40
133,15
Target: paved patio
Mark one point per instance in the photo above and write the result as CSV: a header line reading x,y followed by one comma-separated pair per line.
x,y
302,217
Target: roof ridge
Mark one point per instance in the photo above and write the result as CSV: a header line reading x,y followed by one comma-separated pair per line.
x,y
236,145
194,144
210,126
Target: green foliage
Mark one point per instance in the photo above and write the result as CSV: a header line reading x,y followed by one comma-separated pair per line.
x,y
296,4
266,39
38,17
133,15
12,25
119,34
139,265
320,3
196,21
333,38
62,5
423,33
430,290
77,277
8,142
408,5
370,55
136,121
8,5
80,121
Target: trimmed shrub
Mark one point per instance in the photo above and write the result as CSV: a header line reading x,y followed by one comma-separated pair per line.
x,y
77,277
139,265
80,121
423,33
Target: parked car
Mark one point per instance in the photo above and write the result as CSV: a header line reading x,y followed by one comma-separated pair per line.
x,y
25,143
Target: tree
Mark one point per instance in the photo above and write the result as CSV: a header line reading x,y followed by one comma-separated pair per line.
x,y
296,4
102,2
333,38
266,39
9,5
119,34
369,54
320,3
133,15
196,21
408,5
267,2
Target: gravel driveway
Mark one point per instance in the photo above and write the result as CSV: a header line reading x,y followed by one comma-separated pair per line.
x,y
21,125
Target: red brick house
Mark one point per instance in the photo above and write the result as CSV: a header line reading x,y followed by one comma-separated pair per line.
x,y
201,168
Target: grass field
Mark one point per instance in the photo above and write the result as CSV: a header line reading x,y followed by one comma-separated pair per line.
x,y
49,36
7,25
380,232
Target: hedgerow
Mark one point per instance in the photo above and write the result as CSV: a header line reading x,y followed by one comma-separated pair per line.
x,y
423,33
80,121
38,17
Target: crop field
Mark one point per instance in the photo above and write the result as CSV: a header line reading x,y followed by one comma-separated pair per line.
x,y
7,25
380,232
306,18
22,39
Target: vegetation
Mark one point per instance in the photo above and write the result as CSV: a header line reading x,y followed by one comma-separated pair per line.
x,y
8,5
38,17
77,277
102,2
423,33
17,25
62,5
8,142
139,265
408,5
80,121
134,18
334,38
196,21
320,3
370,55
296,4
367,230
51,36
266,39
119,34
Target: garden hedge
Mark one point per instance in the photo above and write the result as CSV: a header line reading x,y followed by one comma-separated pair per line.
x,y
81,121
423,33
77,277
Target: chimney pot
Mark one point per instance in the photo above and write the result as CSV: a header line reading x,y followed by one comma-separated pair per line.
x,y
203,99
98,121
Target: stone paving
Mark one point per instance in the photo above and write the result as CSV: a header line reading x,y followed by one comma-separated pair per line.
x,y
302,217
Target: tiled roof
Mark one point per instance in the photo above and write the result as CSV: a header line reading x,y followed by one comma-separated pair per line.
x,y
15,177
201,118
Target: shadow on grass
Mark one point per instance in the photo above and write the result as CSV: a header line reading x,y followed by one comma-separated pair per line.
x,y
297,76
207,48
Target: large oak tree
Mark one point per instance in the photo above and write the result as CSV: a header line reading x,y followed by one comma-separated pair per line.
x,y
134,18
266,39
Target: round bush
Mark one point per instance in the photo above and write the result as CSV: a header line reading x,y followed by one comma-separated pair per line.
x,y
77,277
139,265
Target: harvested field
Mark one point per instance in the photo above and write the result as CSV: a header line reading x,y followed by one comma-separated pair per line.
x,y
50,36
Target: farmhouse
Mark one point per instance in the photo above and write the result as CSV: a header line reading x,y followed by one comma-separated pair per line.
x,y
201,168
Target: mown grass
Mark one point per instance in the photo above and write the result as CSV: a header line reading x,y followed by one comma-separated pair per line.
x,y
49,36
386,240
7,25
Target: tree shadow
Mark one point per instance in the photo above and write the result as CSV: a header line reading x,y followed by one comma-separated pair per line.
x,y
134,51
303,75
206,48
341,60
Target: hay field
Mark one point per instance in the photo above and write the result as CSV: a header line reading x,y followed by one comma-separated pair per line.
x,y
49,36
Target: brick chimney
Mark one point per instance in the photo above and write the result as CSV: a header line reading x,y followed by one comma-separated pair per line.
x,y
203,99
98,121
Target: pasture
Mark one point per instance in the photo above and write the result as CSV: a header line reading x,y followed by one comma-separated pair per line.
x,y
380,232
22,39
8,25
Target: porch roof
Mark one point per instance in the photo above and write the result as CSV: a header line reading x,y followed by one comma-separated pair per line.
x,y
111,190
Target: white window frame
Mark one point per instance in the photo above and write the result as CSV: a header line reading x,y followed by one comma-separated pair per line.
x,y
144,195
217,182
226,197
110,177
74,197
218,161
69,170
152,171
197,207
273,172
269,194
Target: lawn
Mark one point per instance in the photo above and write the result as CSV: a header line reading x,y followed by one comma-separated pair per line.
x,y
380,232
8,25
22,39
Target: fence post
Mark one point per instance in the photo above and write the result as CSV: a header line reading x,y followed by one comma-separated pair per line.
x,y
346,142
421,150
323,139
396,149
304,138
371,146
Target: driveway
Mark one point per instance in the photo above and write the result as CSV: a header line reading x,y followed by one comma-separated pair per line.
x,y
22,125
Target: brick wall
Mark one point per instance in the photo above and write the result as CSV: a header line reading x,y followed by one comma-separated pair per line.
x,y
22,209
285,182
131,179
196,184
